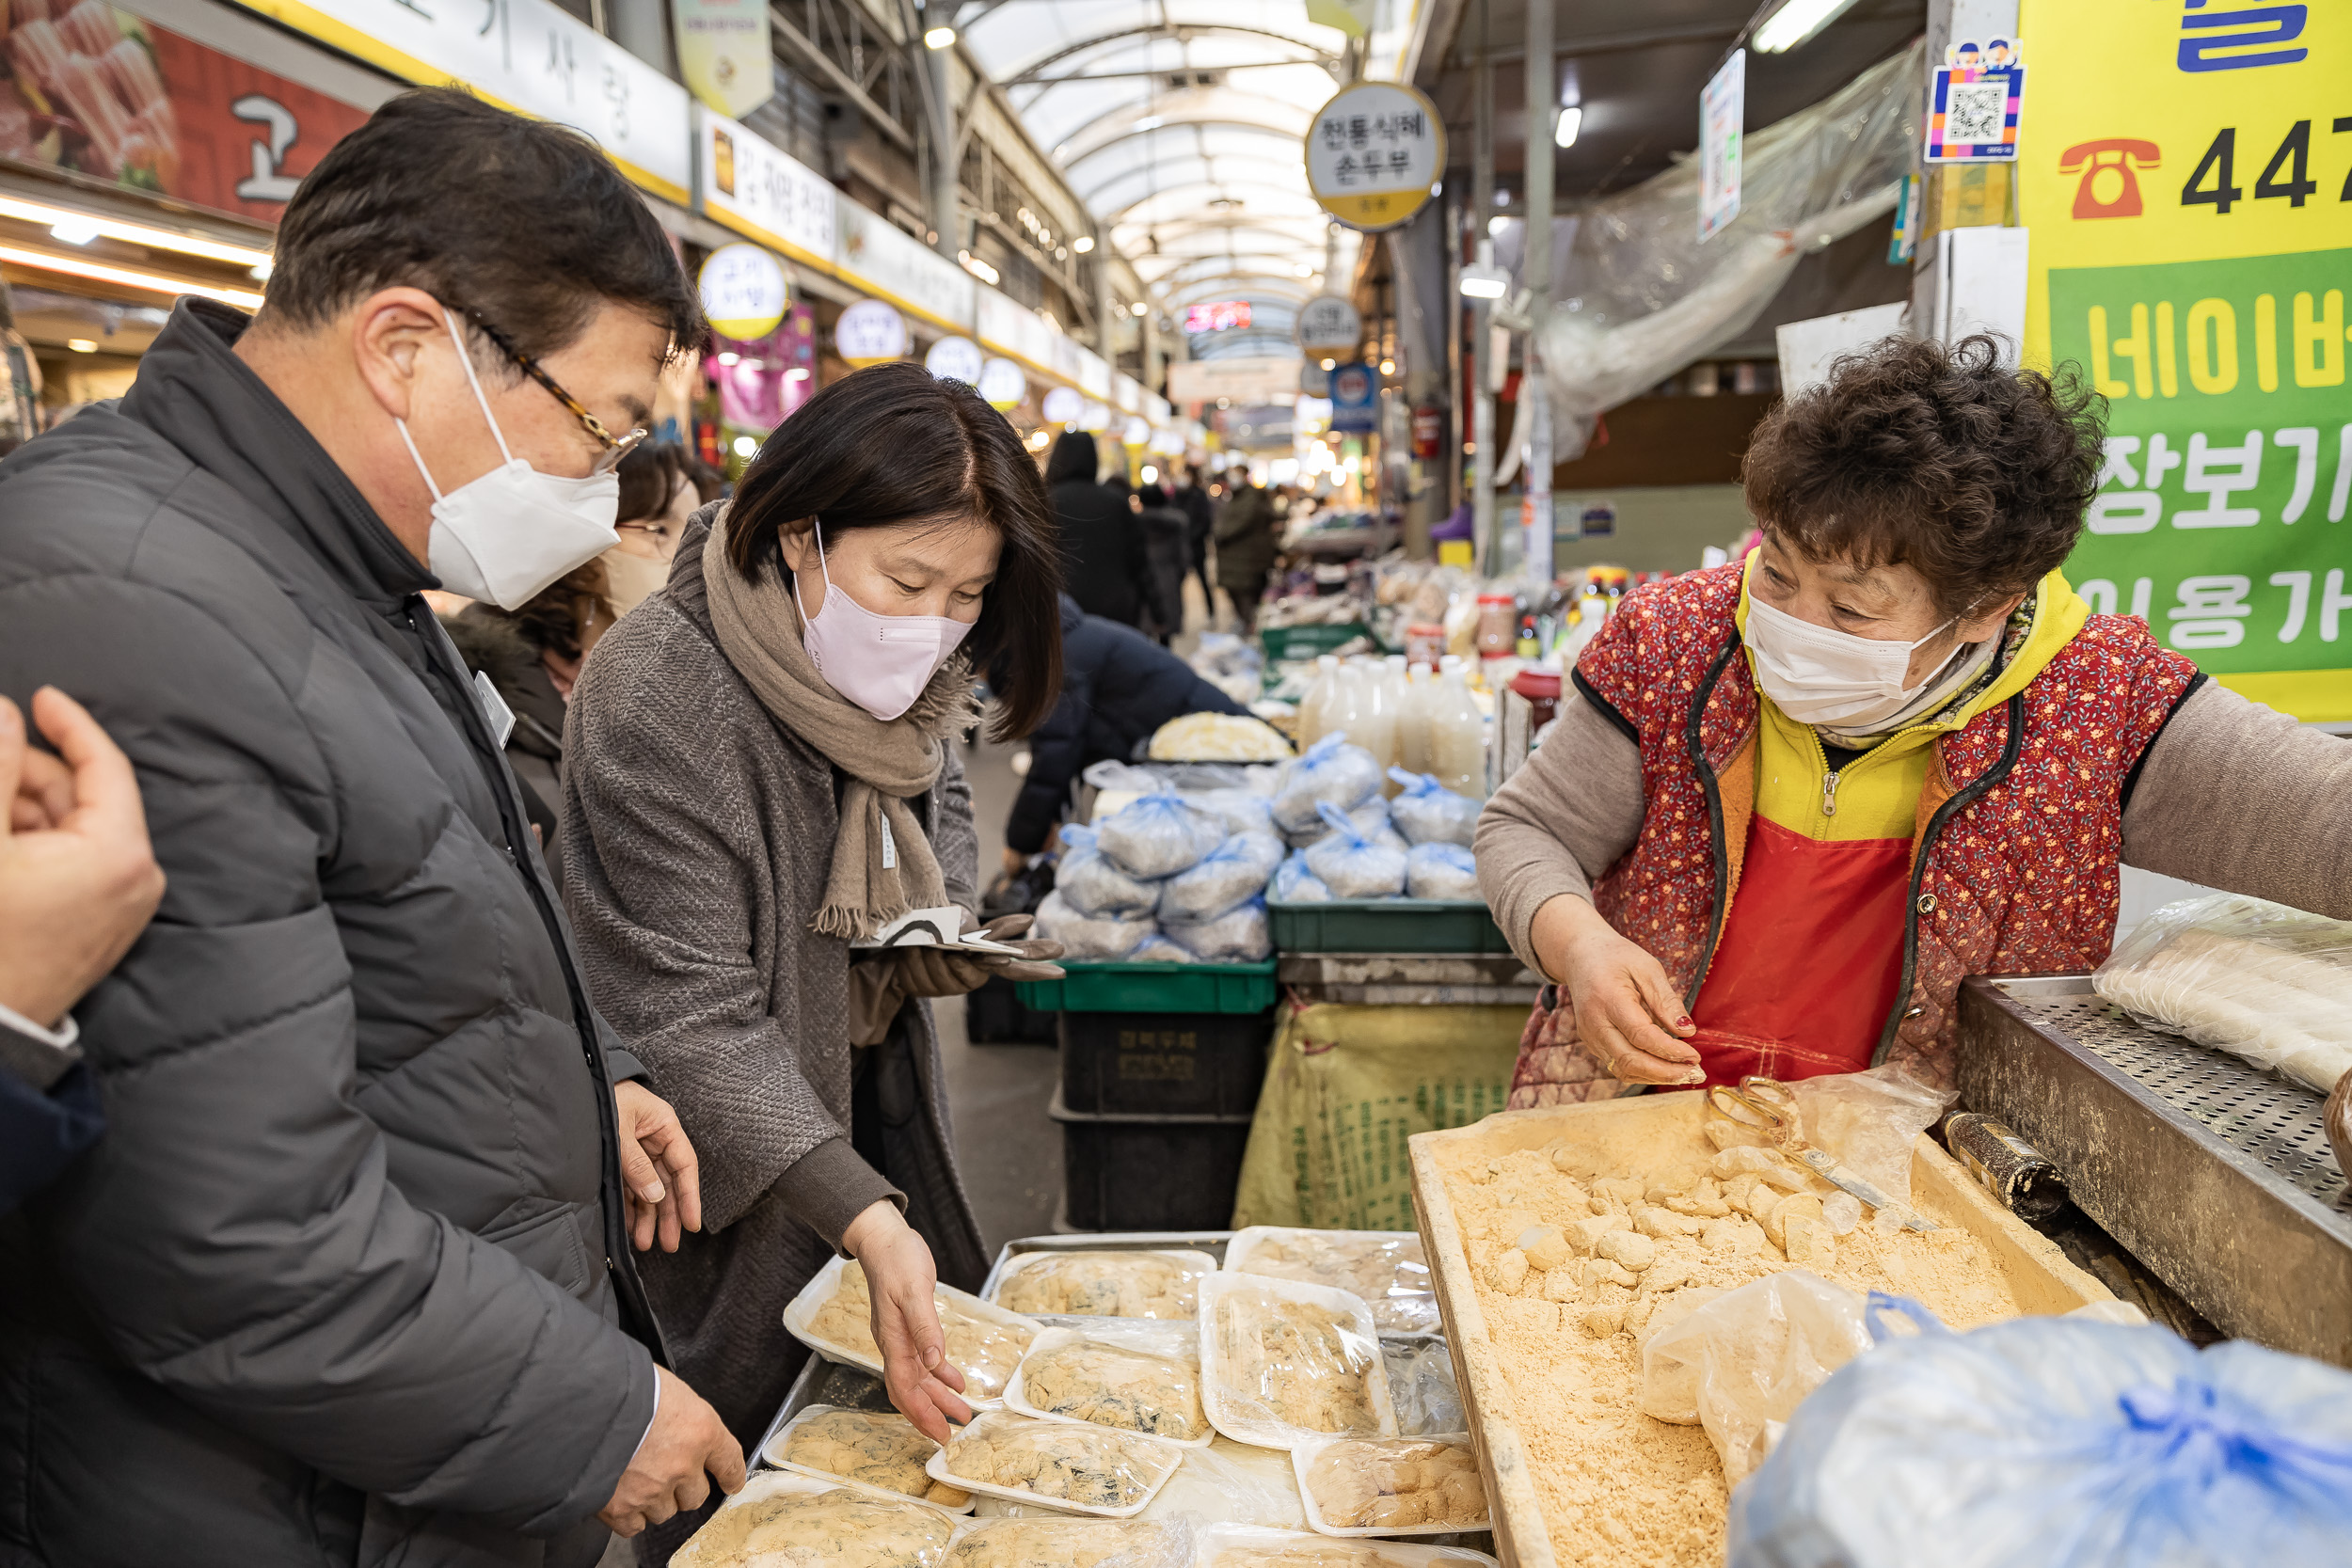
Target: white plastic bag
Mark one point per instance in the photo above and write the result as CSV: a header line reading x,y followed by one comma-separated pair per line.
x,y
1089,936
2261,981
1740,1365
1157,949
1428,812
1441,871
1239,936
1331,771
1091,885
1295,884
1159,835
1352,865
1237,870
1242,810
1370,819
1421,1387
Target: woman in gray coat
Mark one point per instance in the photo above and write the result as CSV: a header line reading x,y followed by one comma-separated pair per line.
x,y
764,768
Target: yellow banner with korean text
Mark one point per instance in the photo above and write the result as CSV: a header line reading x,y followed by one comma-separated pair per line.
x,y
2187,176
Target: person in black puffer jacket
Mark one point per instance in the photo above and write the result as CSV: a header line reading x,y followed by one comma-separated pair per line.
x,y
1101,540
1118,687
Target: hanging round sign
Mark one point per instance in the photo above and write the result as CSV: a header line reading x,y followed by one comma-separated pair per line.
x,y
1313,380
1373,152
1330,324
1095,417
743,291
1002,386
871,333
955,359
1063,405
1138,432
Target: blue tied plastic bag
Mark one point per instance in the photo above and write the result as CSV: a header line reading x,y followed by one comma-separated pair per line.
x,y
1091,885
1352,865
1234,871
1425,812
1295,884
1330,771
2055,1443
1240,935
1441,871
1159,835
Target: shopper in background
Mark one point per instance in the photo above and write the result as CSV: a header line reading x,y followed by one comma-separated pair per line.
x,y
1164,552
1118,687
349,1277
765,767
1101,546
19,380
1244,536
1897,737
661,485
78,881
1192,498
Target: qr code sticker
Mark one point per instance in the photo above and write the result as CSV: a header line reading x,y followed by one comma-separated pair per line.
x,y
1976,111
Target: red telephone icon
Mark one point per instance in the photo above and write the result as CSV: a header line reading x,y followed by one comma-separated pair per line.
x,y
2118,158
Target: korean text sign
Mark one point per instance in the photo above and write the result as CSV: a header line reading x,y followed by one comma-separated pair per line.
x,y
2187,180
1373,153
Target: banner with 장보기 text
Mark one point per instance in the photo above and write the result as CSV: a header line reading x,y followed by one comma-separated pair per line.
x,y
2187,177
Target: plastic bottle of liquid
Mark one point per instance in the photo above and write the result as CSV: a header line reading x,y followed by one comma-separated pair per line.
x,y
1345,709
1374,728
1412,721
1457,734
1315,709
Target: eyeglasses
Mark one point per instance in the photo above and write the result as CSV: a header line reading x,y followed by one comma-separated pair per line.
x,y
615,447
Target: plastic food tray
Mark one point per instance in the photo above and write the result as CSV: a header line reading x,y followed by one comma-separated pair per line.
x,y
1008,1256
1017,1395
1217,1540
818,1290
768,1484
1413,1313
1267,1433
1150,1452
1011,1264
771,1454
1385,925
1132,987
1305,1454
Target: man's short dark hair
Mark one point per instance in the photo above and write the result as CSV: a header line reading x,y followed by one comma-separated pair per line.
x,y
1945,459
525,222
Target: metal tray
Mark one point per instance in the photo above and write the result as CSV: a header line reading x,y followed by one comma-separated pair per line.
x,y
2216,1174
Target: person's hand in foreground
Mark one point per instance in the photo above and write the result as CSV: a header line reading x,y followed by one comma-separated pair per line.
x,y
925,1386
665,1193
78,879
671,1469
1627,1012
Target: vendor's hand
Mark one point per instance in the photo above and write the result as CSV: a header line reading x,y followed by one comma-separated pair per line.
x,y
670,1473
657,1167
925,1386
1627,1012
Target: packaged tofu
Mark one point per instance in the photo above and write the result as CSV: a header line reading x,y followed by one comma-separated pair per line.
x,y
1284,1363
783,1520
1237,1546
1146,1284
1127,1382
1073,1543
1386,1268
1391,1486
833,1316
1081,1468
875,1451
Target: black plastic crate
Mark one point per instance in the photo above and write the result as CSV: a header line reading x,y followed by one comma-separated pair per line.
x,y
994,1015
1150,1173
1172,1063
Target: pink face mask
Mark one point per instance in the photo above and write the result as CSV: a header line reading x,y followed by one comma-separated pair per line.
x,y
879,662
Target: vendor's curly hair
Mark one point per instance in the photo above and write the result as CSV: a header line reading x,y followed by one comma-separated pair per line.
x,y
1942,458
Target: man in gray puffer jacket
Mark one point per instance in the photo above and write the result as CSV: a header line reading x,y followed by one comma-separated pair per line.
x,y
348,1281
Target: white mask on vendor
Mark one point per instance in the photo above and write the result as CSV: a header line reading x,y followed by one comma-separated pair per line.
x,y
1835,680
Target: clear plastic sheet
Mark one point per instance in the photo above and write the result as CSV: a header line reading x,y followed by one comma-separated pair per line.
x,y
1084,1468
1740,1364
1386,1270
1065,1543
877,1448
985,1350
1130,1386
1371,819
781,1520
1159,835
1240,935
1283,1363
1352,865
1331,773
1421,1387
1870,1120
1089,936
1428,812
2259,980
1235,871
1441,871
1092,886
1394,1486
1295,884
1151,1285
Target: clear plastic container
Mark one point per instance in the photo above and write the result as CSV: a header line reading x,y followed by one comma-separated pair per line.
x,y
1412,719
1240,1547
1086,1284
1497,625
1315,709
1027,1543
1065,1464
1386,1269
1457,736
1374,726
1284,1363
1356,1486
832,1316
1123,1380
877,1452
779,1511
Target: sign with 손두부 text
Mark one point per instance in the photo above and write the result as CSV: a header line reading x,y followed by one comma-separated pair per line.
x,y
1373,152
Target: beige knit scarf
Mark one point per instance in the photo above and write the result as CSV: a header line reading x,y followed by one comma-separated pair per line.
x,y
882,863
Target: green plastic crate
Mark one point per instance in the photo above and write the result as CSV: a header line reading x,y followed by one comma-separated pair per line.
x,y
1385,925
1283,643
1128,988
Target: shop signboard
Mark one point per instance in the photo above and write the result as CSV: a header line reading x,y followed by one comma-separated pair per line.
x,y
1330,324
956,359
1220,315
2186,179
1974,102
869,333
876,254
1002,386
1313,380
1135,433
1267,379
748,184
743,292
530,55
1063,405
1094,418
1375,153
164,114
724,54
1722,119
1355,399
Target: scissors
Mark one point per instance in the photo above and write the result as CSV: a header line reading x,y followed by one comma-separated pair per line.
x,y
1766,1105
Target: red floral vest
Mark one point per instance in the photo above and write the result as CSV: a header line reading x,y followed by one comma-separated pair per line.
x,y
2014,858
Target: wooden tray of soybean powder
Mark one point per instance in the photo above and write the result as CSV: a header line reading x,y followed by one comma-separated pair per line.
x,y
1575,1473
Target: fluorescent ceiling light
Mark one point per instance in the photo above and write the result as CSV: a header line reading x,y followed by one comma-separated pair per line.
x,y
1571,121
939,38
1796,22
1480,280
73,230
1137,308
78,228
979,268
1083,243
73,267
82,346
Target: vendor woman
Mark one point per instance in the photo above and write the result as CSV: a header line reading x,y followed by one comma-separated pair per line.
x,y
1793,801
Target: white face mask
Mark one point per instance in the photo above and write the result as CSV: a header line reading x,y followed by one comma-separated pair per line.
x,y
879,662
508,535
629,578
1820,676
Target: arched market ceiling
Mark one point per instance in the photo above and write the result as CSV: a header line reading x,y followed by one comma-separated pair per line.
x,y
1179,123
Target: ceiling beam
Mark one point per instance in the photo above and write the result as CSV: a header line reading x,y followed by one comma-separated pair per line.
x,y
1182,32
839,78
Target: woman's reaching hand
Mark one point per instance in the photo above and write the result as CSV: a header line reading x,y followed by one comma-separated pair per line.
x,y
1627,1012
925,1386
